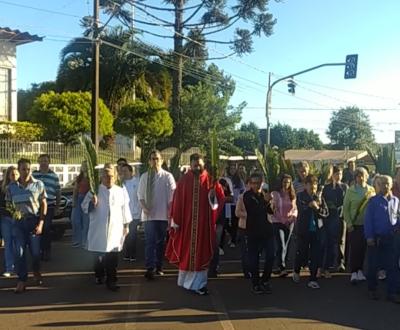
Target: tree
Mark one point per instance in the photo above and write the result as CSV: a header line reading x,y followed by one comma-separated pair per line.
x,y
148,120
194,25
123,74
26,97
350,127
247,138
286,137
204,109
65,116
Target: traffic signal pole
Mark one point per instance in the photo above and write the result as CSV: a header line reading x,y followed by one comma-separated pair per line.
x,y
269,93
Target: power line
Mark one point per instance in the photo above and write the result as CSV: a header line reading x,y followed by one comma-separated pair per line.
x,y
39,9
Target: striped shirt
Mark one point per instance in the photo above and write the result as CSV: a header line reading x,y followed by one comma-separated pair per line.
x,y
51,183
26,199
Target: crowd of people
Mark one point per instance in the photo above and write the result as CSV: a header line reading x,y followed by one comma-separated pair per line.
x,y
339,225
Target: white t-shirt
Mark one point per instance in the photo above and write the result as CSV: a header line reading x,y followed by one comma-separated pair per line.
x,y
132,186
164,187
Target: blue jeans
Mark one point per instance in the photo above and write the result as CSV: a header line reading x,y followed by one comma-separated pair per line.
x,y
214,264
45,242
154,232
23,238
384,254
257,245
80,223
6,230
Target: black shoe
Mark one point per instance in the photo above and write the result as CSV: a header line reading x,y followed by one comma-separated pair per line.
x,y
202,291
149,275
373,295
212,274
132,259
257,289
38,278
113,287
160,272
99,280
126,258
394,298
266,286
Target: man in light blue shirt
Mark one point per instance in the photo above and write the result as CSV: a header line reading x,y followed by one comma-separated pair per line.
x,y
29,197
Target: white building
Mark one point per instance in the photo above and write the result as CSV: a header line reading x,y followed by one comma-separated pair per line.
x,y
9,40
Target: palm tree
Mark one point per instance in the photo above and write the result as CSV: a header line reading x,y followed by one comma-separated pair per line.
x,y
124,68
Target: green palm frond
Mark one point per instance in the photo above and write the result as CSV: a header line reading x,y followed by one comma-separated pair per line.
x,y
90,157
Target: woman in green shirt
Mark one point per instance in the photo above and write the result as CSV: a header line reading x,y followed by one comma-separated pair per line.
x,y
354,205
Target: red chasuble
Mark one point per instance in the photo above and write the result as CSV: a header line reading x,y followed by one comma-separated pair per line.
x,y
191,246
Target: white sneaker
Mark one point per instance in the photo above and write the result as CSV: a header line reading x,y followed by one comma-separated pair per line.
x,y
361,276
313,285
354,278
7,274
296,277
221,252
381,275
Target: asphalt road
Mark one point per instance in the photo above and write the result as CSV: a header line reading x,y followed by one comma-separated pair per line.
x,y
69,299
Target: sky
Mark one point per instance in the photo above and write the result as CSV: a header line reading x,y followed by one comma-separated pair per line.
x,y
308,33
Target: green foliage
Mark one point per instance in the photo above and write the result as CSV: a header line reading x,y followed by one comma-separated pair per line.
x,y
384,159
270,164
90,156
247,138
285,137
26,97
203,108
21,131
123,73
350,127
67,115
148,120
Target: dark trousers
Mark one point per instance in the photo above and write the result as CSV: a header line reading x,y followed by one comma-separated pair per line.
x,y
231,225
45,242
281,245
330,241
23,238
383,254
130,240
214,264
155,232
258,245
106,265
244,251
308,245
358,247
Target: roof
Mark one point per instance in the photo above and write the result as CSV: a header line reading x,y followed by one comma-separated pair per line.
x,y
338,156
17,37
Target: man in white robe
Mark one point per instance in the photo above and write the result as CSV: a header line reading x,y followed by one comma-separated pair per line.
x,y
108,225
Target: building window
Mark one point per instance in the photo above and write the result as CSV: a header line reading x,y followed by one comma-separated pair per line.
x,y
5,93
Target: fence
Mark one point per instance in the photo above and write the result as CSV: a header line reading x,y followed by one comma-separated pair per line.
x,y
11,151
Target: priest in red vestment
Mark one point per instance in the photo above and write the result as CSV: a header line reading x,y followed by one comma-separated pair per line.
x,y
196,205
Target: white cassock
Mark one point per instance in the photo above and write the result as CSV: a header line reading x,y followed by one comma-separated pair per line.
x,y
107,220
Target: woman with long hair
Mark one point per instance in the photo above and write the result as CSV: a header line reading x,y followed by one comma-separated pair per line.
x,y
11,175
80,220
285,213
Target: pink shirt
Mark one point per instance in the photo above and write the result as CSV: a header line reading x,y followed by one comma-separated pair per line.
x,y
285,210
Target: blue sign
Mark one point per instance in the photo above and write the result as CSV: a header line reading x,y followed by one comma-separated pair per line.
x,y
350,70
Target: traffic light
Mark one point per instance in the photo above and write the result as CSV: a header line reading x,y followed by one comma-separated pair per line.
x,y
350,70
291,86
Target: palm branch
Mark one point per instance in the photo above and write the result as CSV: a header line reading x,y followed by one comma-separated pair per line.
x,y
90,157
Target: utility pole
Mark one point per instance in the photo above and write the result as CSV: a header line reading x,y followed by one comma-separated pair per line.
x,y
95,76
350,73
